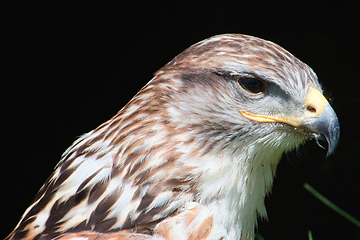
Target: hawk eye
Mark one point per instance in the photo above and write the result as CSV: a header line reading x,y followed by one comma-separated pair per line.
x,y
252,85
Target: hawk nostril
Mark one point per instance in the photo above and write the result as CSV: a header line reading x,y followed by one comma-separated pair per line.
x,y
311,109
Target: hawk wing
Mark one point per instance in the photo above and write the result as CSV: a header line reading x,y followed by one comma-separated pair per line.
x,y
192,222
122,175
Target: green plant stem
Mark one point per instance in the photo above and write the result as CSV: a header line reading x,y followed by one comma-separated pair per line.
x,y
331,205
310,235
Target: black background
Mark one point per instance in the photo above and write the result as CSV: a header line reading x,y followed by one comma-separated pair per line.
x,y
70,67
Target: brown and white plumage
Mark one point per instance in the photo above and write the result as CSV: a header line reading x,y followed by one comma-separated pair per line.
x,y
192,155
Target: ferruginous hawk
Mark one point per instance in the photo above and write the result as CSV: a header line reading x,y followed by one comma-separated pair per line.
x,y
192,155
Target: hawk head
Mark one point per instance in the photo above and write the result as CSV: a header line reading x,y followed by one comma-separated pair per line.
x,y
250,88
196,148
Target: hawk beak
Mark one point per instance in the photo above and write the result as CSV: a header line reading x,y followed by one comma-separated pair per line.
x,y
319,119
327,126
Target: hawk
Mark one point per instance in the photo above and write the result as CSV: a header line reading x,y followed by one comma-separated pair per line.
x,y
192,155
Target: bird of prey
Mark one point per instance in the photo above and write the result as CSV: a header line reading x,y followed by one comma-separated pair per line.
x,y
194,152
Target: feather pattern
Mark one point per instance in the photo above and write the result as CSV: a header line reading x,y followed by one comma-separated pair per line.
x,y
179,161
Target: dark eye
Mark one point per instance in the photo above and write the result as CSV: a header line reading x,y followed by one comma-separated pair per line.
x,y
252,85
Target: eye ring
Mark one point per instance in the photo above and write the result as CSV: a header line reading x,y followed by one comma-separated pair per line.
x,y
251,85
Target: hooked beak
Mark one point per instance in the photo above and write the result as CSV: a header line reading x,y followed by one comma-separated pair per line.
x,y
319,119
327,126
